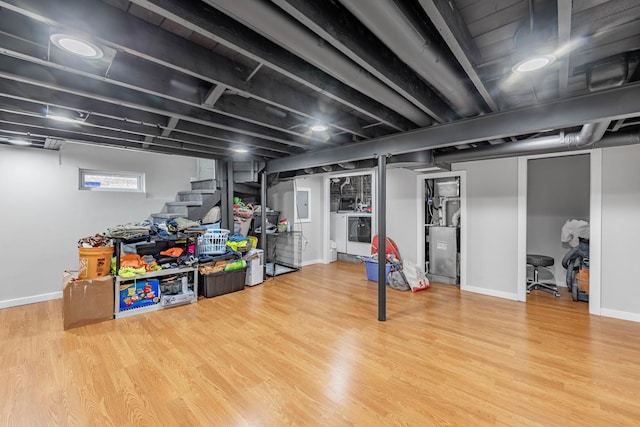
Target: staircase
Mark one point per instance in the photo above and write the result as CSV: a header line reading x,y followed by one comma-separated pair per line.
x,y
193,204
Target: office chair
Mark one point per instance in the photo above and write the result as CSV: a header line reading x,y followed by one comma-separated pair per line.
x,y
535,284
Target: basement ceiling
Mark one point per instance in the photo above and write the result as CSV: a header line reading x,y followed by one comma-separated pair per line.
x,y
214,77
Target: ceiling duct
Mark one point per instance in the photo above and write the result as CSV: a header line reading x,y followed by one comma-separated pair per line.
x,y
274,25
398,32
347,165
608,73
589,135
53,143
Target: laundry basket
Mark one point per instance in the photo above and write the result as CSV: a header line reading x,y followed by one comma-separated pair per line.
x,y
213,242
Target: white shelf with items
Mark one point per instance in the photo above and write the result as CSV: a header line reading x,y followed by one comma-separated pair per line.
x,y
156,300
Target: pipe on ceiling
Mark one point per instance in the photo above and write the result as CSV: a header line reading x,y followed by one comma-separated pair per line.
x,y
277,27
393,28
588,135
570,142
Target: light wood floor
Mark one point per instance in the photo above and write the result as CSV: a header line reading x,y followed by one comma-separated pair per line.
x,y
306,349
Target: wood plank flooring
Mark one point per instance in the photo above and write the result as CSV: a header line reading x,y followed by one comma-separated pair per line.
x,y
305,349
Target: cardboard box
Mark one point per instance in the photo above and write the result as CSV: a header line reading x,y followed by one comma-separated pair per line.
x,y
139,293
86,301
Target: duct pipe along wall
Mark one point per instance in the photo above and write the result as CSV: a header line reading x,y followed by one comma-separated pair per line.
x,y
274,25
552,144
395,30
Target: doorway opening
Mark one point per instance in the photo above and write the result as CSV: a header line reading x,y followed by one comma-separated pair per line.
x,y
442,224
558,196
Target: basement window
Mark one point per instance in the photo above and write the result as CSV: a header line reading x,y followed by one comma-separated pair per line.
x,y
96,180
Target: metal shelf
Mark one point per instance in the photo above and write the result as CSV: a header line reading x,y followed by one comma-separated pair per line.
x,y
193,285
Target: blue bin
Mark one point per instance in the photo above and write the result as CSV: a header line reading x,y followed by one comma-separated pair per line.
x,y
372,270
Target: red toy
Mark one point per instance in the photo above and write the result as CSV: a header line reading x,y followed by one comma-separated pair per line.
x,y
391,248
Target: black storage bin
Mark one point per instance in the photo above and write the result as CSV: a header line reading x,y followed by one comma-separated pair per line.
x,y
273,217
221,283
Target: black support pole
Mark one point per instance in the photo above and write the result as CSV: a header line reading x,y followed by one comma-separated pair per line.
x,y
263,222
230,194
263,214
382,237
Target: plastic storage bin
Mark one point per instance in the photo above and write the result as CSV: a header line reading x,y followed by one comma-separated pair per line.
x,y
223,282
371,265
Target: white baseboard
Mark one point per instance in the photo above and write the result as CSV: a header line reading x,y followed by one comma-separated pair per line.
x,y
30,300
491,292
313,261
623,315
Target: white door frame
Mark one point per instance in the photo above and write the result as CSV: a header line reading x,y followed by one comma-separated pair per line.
x,y
595,223
420,198
326,237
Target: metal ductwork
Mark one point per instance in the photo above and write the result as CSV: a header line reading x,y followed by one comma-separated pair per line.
x,y
391,25
542,145
274,25
590,134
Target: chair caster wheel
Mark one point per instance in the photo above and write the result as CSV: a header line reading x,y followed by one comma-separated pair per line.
x,y
557,294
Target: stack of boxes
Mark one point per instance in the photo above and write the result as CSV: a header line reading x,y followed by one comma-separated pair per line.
x,y
255,267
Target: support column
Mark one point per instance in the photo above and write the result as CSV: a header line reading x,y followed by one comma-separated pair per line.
x,y
263,214
230,194
382,237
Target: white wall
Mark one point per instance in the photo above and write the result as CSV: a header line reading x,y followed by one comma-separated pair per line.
x,y
620,289
557,190
402,216
44,214
492,226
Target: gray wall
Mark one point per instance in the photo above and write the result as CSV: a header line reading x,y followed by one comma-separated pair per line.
x,y
402,214
281,198
44,214
621,230
312,231
557,190
492,226
492,209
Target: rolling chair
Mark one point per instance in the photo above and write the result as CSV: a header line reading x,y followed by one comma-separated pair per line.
x,y
535,284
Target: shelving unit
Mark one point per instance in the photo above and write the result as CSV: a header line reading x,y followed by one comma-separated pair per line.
x,y
159,300
164,301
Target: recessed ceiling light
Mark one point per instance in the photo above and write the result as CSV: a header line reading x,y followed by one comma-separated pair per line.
x,y
319,127
77,46
60,118
240,150
19,141
533,64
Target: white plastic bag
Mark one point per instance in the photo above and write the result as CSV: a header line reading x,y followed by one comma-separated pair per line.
x,y
415,276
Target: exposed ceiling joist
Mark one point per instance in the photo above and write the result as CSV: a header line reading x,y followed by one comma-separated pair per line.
x,y
564,38
173,121
214,95
455,33
598,106
347,35
217,27
151,43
